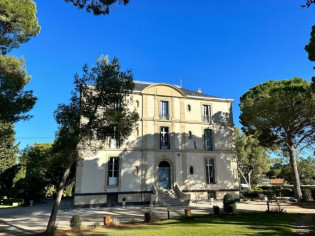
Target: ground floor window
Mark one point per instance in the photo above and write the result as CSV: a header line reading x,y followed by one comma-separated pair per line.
x,y
113,171
210,171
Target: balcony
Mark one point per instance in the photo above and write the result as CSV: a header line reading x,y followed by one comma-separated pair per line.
x,y
163,116
206,119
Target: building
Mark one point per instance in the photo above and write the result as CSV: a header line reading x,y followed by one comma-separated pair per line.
x,y
183,142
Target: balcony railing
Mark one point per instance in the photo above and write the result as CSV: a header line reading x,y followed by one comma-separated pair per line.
x,y
206,119
164,116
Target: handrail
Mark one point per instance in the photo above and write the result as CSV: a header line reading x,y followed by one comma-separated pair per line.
x,y
155,196
181,194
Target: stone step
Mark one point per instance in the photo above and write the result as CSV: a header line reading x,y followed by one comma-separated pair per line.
x,y
168,198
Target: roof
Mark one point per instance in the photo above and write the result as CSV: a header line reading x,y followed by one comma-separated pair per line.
x,y
139,86
276,181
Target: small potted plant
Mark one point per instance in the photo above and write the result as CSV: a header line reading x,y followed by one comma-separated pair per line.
x,y
123,202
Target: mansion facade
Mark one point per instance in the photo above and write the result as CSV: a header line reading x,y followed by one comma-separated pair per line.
x,y
183,141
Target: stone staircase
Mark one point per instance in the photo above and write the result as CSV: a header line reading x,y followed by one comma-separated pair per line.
x,y
169,198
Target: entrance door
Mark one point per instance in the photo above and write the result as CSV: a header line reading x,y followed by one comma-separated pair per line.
x,y
164,175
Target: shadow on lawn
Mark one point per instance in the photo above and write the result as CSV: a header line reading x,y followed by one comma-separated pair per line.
x,y
279,223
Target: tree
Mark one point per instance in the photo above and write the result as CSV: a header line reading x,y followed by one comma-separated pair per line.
x,y
308,3
281,113
310,49
306,166
8,148
98,7
14,101
34,167
8,157
253,160
100,101
18,22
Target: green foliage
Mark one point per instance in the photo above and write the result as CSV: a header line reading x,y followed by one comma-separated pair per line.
x,y
216,210
307,194
98,7
10,201
306,166
111,87
8,149
67,192
7,181
50,191
75,222
229,204
100,100
96,224
14,101
18,23
253,160
282,114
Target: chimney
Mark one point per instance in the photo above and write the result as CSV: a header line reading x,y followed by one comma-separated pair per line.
x,y
199,90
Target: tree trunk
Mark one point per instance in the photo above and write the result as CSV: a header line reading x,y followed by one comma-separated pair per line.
x,y
296,178
243,176
249,180
52,220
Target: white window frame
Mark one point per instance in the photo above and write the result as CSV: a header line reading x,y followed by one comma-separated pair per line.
x,y
210,171
113,180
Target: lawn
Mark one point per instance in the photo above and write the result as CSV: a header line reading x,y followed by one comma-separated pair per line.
x,y
242,224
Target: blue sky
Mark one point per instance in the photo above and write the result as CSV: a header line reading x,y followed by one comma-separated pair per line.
x,y
223,47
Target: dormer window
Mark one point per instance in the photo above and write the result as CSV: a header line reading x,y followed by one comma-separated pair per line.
x,y
206,113
164,114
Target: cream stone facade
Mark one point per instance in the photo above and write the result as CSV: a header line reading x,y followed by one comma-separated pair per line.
x,y
182,141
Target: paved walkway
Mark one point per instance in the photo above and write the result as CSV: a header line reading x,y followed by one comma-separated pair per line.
x,y
26,220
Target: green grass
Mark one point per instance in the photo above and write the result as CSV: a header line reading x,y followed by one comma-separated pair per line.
x,y
243,224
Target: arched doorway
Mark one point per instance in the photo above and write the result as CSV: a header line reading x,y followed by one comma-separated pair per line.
x,y
164,175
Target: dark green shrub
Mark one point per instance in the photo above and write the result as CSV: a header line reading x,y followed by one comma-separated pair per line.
x,y
75,222
216,210
287,192
307,194
229,204
10,201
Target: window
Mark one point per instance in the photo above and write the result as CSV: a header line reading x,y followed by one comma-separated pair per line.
x,y
164,110
115,139
206,115
208,140
210,171
189,108
164,137
116,105
191,170
113,169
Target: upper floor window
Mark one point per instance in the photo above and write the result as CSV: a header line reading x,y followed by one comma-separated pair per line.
x,y
206,113
188,107
113,170
208,140
210,171
116,105
164,110
164,138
